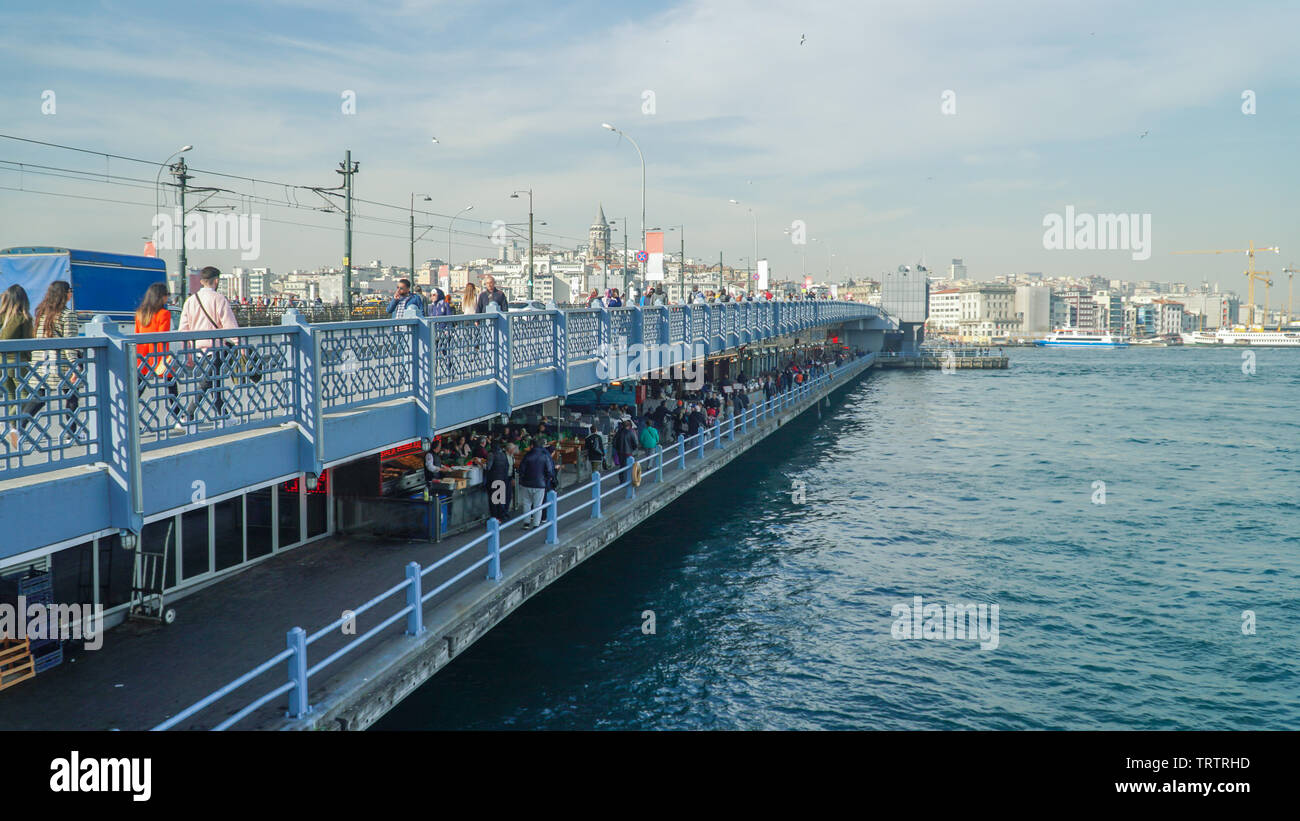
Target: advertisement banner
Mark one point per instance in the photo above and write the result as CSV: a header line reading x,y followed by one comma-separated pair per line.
x,y
761,277
654,246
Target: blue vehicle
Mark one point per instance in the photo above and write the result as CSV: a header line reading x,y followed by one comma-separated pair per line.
x,y
102,283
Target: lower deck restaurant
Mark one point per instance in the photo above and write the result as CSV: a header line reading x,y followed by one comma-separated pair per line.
x,y
392,494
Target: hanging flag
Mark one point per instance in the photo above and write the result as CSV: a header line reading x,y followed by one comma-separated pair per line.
x,y
654,245
761,276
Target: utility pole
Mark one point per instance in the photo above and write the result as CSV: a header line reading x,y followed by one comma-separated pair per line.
x,y
530,245
682,269
347,168
623,293
719,272
179,171
515,196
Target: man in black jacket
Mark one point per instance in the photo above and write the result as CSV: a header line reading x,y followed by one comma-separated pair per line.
x,y
625,447
595,444
536,475
498,481
694,421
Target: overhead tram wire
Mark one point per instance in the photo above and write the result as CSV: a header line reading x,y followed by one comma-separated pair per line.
x,y
101,177
265,219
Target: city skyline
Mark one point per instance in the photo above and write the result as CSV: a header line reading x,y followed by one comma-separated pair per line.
x,y
1094,111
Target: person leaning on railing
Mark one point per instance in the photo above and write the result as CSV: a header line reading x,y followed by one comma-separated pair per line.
x,y
54,318
15,323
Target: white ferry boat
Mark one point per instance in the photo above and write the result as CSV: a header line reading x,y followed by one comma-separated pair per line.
x,y
1080,338
1255,337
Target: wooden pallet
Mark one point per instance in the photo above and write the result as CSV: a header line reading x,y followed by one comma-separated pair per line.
x,y
16,663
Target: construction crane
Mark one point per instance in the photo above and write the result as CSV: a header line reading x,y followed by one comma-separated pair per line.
x,y
1250,272
1290,272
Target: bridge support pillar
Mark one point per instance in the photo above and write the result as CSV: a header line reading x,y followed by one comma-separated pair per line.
x,y
415,618
494,549
552,518
298,706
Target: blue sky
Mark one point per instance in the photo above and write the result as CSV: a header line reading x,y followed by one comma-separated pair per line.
x,y
844,132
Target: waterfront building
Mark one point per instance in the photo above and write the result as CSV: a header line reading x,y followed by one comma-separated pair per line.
x,y
1034,305
1109,313
1168,316
1083,310
987,310
945,310
1060,312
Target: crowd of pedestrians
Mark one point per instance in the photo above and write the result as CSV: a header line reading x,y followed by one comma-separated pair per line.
x,y
56,377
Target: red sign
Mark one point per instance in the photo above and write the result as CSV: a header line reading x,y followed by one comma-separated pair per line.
x,y
411,447
322,484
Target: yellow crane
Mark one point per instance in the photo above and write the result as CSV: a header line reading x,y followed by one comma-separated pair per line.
x,y
1290,272
1250,272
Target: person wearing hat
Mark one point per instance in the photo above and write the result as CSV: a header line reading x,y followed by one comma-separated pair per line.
x,y
439,305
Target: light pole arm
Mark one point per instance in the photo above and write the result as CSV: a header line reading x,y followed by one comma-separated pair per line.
x,y
642,156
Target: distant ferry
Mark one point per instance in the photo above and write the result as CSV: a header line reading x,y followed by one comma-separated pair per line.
x,y
1079,338
1256,337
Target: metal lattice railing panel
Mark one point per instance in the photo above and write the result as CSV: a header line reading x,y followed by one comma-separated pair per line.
x,y
49,409
583,335
676,324
622,327
464,350
651,320
697,324
197,385
532,341
369,363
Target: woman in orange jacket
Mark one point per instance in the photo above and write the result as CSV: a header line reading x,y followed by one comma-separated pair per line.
x,y
152,317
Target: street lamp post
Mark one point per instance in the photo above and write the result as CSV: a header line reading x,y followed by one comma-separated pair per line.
x,y
681,270
453,222
755,257
623,293
642,156
427,198
530,238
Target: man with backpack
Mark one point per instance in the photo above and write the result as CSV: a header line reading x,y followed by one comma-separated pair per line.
x,y
595,444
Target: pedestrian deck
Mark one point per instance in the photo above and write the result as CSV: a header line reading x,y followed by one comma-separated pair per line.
x,y
144,674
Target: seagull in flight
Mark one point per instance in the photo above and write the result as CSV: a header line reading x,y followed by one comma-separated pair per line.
x,y
802,38
1143,134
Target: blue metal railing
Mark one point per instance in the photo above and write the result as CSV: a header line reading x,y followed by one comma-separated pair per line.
x,y
298,641
112,397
